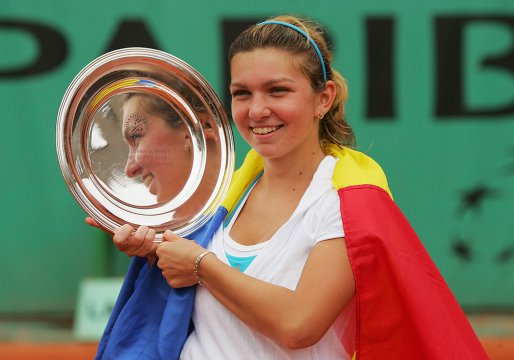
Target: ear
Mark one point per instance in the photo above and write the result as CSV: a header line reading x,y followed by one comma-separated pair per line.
x,y
188,144
327,97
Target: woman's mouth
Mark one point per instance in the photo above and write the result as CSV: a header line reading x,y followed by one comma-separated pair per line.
x,y
265,130
148,180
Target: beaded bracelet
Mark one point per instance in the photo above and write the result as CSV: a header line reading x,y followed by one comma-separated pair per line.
x,y
197,265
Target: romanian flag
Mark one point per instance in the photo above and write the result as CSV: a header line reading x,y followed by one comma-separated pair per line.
x,y
403,307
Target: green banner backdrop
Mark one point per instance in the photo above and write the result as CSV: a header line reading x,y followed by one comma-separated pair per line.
x,y
431,98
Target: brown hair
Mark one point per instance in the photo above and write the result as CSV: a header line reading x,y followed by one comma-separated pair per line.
x,y
333,127
158,106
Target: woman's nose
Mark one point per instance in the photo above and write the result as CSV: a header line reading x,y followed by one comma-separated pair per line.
x,y
132,168
259,108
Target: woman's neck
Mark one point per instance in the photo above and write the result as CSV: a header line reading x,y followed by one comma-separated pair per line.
x,y
286,172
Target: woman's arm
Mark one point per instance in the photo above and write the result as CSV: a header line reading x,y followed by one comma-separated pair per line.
x,y
296,319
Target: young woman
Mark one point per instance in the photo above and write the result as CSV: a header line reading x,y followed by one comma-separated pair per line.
x,y
308,258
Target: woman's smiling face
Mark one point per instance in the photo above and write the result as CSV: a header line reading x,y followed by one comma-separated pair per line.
x,y
273,104
158,153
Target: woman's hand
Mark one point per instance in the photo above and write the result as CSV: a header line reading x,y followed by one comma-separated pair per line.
x,y
177,258
135,242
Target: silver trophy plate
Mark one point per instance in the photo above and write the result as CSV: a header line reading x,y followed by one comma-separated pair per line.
x,y
143,139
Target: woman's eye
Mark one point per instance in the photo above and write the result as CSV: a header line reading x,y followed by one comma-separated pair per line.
x,y
239,93
278,90
134,137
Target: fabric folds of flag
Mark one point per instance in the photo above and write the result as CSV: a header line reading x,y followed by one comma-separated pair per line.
x,y
404,308
151,320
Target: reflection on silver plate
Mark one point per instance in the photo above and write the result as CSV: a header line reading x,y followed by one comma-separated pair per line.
x,y
143,139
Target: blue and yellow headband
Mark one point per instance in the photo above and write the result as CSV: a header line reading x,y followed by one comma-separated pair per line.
x,y
313,43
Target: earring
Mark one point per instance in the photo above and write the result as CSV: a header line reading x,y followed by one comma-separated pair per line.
x,y
320,116
186,148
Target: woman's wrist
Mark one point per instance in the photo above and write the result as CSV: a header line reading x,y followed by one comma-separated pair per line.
x,y
197,263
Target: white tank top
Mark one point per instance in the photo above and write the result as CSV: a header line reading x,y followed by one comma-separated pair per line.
x,y
220,335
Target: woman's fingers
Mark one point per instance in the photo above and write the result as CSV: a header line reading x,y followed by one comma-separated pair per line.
x,y
92,222
122,236
125,239
147,246
150,237
139,242
136,242
139,236
170,236
176,259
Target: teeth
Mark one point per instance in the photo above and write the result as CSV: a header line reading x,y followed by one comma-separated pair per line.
x,y
264,130
148,180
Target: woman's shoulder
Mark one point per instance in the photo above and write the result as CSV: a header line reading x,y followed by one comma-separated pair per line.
x,y
356,168
324,199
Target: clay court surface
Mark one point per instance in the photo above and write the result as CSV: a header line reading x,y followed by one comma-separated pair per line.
x,y
498,349
40,351
43,341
